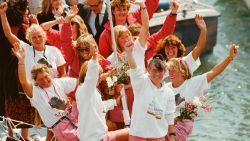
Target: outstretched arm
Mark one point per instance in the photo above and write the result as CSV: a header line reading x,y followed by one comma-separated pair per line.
x,y
145,22
6,27
20,54
221,66
202,38
47,25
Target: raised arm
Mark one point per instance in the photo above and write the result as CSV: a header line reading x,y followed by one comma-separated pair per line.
x,y
129,46
145,22
221,66
6,27
151,6
48,25
20,54
202,38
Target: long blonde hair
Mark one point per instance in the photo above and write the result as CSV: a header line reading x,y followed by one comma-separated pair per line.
x,y
119,30
82,29
179,65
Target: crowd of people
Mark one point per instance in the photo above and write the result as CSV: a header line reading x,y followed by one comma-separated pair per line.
x,y
60,59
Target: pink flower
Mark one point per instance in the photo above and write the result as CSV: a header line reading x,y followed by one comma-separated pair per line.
x,y
202,97
207,108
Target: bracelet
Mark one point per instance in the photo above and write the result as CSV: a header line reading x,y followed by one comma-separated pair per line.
x,y
230,58
172,134
174,14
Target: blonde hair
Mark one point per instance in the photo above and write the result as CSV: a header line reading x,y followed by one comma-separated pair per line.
x,y
119,3
171,40
35,28
39,68
82,73
46,5
179,65
86,40
80,25
119,30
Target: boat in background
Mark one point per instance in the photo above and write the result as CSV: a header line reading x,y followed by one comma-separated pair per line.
x,y
186,27
247,3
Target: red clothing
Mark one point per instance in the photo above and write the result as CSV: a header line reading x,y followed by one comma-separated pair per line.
x,y
152,41
105,42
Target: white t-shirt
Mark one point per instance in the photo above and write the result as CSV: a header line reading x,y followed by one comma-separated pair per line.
x,y
60,87
190,88
92,110
32,57
138,54
192,64
149,99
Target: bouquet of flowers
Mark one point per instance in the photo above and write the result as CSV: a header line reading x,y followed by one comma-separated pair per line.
x,y
118,76
189,110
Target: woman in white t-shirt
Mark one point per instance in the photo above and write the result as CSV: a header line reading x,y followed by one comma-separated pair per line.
x,y
49,97
186,87
172,47
154,105
92,110
122,34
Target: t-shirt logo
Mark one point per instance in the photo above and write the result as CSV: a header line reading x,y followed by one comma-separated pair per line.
x,y
57,103
179,99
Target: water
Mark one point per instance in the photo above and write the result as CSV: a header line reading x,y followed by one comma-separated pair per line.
x,y
230,92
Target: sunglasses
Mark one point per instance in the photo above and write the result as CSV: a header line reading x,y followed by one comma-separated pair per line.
x,y
83,49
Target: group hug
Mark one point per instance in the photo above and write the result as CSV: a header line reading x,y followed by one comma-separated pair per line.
x,y
58,66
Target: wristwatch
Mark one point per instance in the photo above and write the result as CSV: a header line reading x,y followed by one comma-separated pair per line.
x,y
172,134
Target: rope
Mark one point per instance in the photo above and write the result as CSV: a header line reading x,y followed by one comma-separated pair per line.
x,y
12,126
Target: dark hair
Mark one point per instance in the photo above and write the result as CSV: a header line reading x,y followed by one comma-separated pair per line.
x,y
158,61
171,40
15,11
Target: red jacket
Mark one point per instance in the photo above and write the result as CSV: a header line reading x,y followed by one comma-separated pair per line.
x,y
105,42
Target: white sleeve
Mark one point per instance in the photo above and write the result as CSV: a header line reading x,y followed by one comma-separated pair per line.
x,y
198,84
92,73
170,107
25,45
192,64
109,104
69,84
137,77
139,55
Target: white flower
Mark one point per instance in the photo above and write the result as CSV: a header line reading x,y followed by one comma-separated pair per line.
x,y
197,101
114,78
109,82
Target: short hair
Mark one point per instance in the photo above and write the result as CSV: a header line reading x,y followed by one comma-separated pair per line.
x,y
158,62
135,29
35,28
119,3
39,68
178,64
171,40
81,26
85,40
119,30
